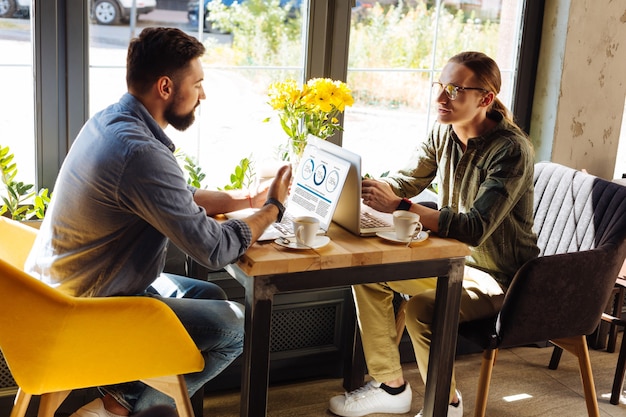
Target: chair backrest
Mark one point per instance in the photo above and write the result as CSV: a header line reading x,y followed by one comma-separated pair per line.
x,y
573,210
581,225
16,239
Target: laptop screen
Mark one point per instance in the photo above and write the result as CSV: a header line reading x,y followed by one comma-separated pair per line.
x,y
316,189
317,185
350,211
347,213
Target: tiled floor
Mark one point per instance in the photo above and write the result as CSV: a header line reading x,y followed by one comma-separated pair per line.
x,y
518,371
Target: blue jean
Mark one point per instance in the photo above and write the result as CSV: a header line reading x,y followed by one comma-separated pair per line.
x,y
214,323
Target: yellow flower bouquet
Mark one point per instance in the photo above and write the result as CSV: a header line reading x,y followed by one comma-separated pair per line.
x,y
310,109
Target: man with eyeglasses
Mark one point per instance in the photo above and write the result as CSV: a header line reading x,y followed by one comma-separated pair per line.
x,y
483,164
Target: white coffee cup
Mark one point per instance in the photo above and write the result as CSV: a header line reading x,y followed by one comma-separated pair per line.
x,y
305,229
407,224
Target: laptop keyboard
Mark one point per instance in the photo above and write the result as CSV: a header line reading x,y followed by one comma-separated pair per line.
x,y
368,221
286,224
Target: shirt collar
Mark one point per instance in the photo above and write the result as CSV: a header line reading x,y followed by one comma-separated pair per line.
x,y
479,142
131,102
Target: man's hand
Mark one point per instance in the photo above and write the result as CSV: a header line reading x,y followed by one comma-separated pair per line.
x,y
267,214
262,193
379,195
259,196
219,202
279,189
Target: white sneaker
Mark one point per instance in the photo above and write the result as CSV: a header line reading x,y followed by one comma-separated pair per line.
x,y
93,409
453,411
369,399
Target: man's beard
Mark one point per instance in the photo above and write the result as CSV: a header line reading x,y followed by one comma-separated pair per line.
x,y
178,122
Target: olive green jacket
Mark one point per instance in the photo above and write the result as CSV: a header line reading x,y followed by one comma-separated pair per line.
x,y
485,194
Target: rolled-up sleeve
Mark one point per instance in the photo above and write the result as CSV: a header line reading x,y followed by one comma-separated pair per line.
x,y
165,201
243,231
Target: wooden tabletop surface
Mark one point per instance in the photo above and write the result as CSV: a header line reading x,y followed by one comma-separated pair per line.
x,y
344,250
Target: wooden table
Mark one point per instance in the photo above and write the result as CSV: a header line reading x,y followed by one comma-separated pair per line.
x,y
268,269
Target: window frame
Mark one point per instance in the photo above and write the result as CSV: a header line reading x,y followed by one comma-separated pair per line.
x,y
61,68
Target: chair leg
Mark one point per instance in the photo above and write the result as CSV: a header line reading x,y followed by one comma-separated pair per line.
x,y
555,358
175,387
577,345
618,304
620,370
20,404
486,368
50,402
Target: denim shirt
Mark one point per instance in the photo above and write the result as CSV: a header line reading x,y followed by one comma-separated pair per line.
x,y
119,197
485,194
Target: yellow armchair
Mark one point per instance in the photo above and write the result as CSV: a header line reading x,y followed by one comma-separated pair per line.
x,y
54,343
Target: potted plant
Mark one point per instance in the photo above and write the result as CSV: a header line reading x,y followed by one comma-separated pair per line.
x,y
21,201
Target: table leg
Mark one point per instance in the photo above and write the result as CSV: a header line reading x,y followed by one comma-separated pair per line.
x,y
255,375
443,345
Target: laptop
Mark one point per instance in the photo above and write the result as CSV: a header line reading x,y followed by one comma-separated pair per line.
x,y
351,213
315,191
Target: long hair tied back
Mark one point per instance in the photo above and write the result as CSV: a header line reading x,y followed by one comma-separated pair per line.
x,y
488,76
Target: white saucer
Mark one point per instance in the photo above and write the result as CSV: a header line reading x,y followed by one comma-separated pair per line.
x,y
391,236
320,242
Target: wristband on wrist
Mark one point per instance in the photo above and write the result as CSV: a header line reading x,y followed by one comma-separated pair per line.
x,y
405,204
279,206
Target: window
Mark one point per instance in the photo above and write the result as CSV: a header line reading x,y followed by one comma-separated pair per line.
x,y
397,50
249,45
78,74
18,100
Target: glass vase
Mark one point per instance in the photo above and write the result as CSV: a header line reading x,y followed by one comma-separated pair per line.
x,y
296,149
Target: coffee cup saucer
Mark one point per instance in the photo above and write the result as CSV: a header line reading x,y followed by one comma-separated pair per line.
x,y
391,236
291,243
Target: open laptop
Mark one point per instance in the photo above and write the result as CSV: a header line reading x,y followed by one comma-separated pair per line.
x,y
315,190
351,213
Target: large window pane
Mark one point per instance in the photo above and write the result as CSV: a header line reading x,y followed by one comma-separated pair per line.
x,y
249,45
397,49
16,70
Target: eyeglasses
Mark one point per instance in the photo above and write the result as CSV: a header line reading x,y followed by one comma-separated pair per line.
x,y
453,90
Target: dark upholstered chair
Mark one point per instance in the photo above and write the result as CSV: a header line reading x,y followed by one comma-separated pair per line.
x,y
560,296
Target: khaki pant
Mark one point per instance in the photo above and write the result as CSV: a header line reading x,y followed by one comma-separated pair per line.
x,y
481,297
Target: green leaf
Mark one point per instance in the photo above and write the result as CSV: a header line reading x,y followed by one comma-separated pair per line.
x,y
195,176
243,175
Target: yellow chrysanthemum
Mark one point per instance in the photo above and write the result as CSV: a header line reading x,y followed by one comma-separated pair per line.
x,y
283,94
311,109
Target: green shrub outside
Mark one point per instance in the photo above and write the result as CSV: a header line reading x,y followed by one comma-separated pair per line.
x,y
398,37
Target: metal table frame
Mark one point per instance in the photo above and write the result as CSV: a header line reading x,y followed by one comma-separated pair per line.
x,y
259,294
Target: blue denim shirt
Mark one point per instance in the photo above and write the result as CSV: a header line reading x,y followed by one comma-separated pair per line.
x,y
485,194
120,195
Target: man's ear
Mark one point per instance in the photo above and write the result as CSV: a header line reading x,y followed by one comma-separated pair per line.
x,y
487,99
165,87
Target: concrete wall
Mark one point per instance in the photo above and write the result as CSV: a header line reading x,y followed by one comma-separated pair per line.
x,y
581,84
